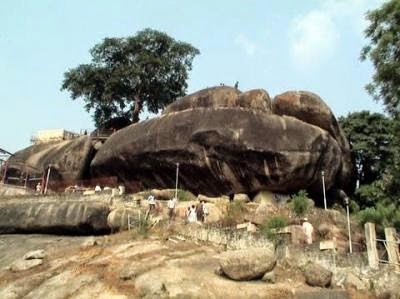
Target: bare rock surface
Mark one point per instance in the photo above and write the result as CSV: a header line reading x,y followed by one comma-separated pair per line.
x,y
35,254
70,159
123,267
210,132
43,216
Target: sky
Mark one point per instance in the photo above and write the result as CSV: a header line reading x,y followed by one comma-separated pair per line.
x,y
277,45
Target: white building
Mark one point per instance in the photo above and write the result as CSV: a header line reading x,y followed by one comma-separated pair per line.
x,y
44,136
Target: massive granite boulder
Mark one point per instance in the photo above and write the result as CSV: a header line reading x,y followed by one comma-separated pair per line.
x,y
70,159
54,217
230,142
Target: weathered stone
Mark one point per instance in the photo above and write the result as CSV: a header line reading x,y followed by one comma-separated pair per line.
x,y
352,281
264,196
317,276
89,242
241,197
70,159
209,133
214,200
264,211
22,265
35,254
311,109
69,216
117,220
297,234
269,277
247,264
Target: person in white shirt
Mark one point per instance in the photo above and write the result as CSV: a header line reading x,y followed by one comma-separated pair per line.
x,y
152,205
192,217
97,188
171,207
308,230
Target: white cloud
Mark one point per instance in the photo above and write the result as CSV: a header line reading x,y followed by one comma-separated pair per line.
x,y
313,38
246,44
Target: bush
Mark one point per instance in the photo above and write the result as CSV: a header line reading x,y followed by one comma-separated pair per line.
x,y
185,195
353,206
300,203
234,211
143,226
382,215
273,224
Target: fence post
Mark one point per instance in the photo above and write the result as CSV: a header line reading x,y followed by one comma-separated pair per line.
x,y
370,239
392,247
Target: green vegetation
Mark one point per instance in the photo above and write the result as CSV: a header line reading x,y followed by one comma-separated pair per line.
x,y
184,195
383,215
234,212
383,32
373,136
143,227
300,203
126,75
273,224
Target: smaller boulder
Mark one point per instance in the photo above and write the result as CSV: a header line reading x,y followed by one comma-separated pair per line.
x,y
269,277
35,254
90,242
263,212
223,199
353,281
22,264
264,196
317,276
241,197
247,264
117,220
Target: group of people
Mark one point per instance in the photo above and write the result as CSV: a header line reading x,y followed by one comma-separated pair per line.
x,y
197,213
194,213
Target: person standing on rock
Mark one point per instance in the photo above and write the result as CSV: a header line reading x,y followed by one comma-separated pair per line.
x,y
192,216
308,230
171,208
152,205
200,211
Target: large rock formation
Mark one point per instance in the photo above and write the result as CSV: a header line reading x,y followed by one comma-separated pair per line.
x,y
74,217
229,142
69,159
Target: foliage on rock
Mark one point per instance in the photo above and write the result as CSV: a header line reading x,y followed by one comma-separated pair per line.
x,y
126,75
272,225
300,203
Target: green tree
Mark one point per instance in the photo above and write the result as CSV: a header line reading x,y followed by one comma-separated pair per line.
x,y
383,50
370,135
126,75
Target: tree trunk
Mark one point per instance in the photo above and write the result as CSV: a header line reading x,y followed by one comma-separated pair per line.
x,y
136,109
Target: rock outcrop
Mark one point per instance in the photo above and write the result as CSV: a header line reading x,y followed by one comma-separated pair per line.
x,y
229,142
317,276
69,159
247,264
66,217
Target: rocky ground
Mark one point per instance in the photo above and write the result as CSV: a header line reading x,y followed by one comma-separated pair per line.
x,y
131,265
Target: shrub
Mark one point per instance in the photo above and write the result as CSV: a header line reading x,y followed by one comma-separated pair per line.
x,y
273,224
234,211
184,195
382,215
143,226
300,203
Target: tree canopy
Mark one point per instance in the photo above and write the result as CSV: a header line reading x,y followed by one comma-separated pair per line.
x,y
369,135
383,50
148,70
